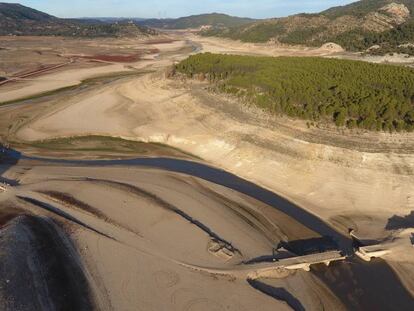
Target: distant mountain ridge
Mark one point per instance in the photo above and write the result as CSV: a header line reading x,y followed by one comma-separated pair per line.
x,y
16,19
216,20
15,11
384,25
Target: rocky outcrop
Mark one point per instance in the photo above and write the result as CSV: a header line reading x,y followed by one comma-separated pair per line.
x,y
387,17
354,26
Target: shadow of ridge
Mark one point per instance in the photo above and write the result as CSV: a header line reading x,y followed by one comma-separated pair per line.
x,y
40,268
400,222
8,158
8,212
289,249
260,259
60,213
309,246
278,293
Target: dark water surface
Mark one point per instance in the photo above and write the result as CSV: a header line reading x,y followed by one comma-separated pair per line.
x,y
359,285
365,286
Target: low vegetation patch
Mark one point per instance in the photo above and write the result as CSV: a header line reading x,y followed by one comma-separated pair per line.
x,y
94,144
348,93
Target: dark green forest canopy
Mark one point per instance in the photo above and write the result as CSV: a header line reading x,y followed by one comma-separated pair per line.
x,y
349,93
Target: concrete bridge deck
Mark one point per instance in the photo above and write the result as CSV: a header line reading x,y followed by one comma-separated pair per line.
x,y
277,268
293,263
367,252
298,262
373,251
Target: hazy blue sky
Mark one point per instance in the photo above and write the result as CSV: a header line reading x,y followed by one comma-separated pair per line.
x,y
176,8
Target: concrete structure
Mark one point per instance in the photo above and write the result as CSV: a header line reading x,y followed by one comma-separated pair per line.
x,y
294,263
277,269
370,251
373,251
304,262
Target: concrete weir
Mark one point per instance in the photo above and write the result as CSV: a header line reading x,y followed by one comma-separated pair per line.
x,y
367,252
276,269
295,263
373,251
304,262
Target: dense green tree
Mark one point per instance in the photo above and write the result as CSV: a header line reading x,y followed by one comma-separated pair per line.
x,y
351,124
351,93
340,116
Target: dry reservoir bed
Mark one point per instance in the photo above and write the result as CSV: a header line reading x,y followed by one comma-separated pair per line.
x,y
178,236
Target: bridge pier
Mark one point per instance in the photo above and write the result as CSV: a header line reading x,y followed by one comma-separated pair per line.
x,y
368,252
306,268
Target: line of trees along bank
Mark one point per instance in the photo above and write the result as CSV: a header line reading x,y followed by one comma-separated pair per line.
x,y
349,93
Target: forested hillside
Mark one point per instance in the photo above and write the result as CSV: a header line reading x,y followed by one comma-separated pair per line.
x,y
387,25
347,93
19,20
195,21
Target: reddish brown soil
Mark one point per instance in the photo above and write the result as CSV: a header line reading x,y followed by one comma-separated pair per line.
x,y
160,41
114,58
130,58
